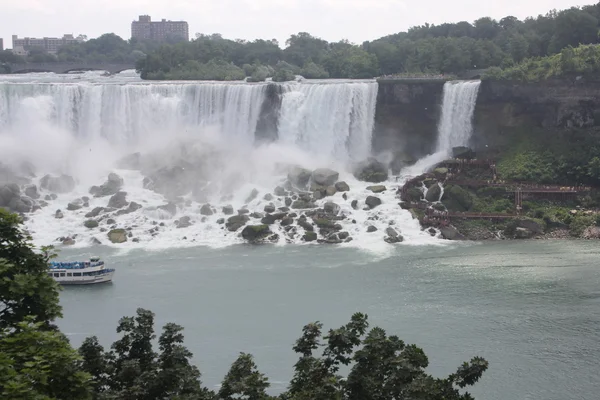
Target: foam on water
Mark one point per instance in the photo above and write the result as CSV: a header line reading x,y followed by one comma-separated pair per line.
x,y
82,128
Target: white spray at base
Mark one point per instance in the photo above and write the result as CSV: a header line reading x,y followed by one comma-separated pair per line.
x,y
82,129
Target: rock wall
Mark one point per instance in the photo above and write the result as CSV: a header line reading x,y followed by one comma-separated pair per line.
x,y
408,112
407,115
560,108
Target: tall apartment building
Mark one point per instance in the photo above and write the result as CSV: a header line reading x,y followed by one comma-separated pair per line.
x,y
21,46
146,29
1,44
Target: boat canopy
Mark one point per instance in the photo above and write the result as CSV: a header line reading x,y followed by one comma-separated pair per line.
x,y
74,264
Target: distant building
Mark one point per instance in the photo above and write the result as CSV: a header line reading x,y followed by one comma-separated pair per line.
x,y
144,28
21,46
1,44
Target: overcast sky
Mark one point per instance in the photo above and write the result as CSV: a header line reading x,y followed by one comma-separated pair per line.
x,y
355,20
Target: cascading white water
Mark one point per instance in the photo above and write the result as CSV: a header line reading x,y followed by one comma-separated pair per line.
x,y
455,126
83,127
330,119
334,120
456,122
127,114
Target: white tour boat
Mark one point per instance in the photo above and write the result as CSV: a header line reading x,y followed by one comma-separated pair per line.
x,y
80,272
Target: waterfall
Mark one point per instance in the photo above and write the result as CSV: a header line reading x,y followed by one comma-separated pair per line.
x,y
334,119
456,122
330,119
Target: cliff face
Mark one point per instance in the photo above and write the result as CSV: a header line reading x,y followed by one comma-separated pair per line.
x,y
408,112
559,108
407,115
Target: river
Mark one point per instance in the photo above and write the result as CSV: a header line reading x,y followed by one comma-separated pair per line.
x,y
531,308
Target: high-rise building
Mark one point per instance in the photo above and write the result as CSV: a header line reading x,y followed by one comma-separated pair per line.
x,y
21,46
1,44
144,28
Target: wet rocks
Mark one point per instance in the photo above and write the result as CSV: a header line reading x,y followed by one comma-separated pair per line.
x,y
325,176
280,191
287,221
372,171
393,236
117,235
451,233
342,186
95,212
302,222
270,219
303,205
67,241
269,208
170,208
95,242
58,184
58,214
354,204
90,224
309,236
372,202
462,152
433,193
183,222
75,205
371,229
299,176
50,197
268,197
206,209
377,188
32,192
255,233
118,200
236,222
133,207
331,208
228,210
108,188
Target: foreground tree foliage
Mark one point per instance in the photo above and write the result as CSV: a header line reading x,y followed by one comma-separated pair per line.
x,y
36,360
26,290
38,363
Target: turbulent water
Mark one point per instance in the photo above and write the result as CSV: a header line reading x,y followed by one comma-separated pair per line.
x,y
82,125
456,122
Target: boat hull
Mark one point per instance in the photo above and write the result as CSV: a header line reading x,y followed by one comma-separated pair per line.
x,y
86,280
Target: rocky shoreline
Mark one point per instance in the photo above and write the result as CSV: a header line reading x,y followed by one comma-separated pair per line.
x,y
298,209
312,206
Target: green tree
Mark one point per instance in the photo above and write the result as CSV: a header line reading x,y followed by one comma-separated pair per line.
x,y
346,60
25,287
133,370
36,363
36,360
244,381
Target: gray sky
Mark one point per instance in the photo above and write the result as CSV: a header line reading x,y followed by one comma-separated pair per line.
x,y
355,20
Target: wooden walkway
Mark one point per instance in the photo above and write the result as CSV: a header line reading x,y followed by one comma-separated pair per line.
x,y
522,187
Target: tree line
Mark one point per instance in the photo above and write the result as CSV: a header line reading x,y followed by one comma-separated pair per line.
x,y
448,48
37,361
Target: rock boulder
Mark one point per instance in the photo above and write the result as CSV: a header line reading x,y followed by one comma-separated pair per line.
x,y
58,184
371,170
325,176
